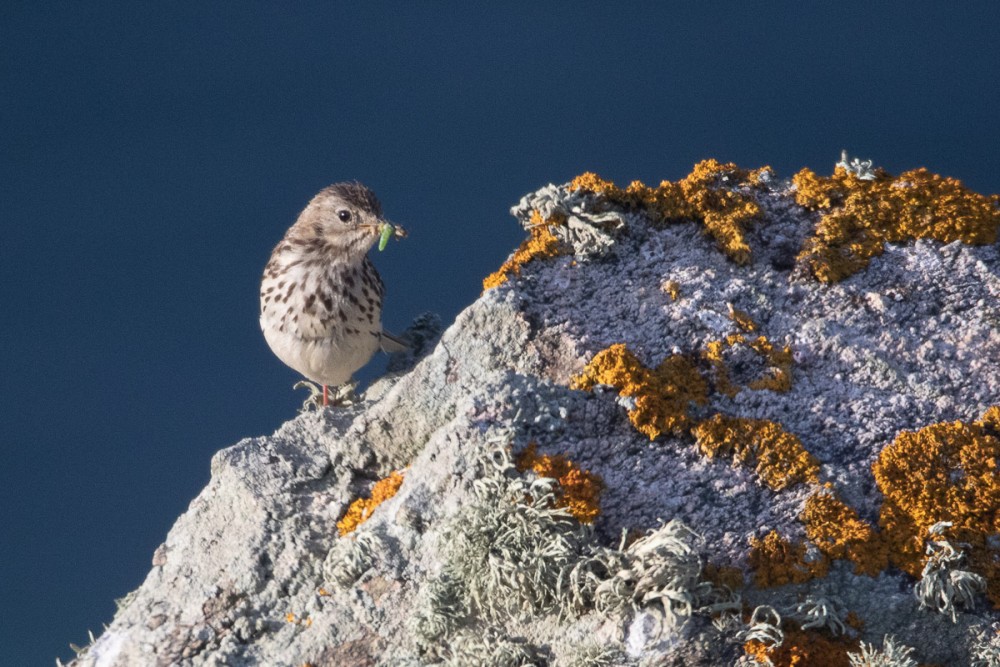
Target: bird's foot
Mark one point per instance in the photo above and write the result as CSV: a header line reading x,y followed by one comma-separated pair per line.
x,y
343,395
320,396
315,399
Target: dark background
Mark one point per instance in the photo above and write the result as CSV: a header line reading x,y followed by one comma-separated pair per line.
x,y
153,154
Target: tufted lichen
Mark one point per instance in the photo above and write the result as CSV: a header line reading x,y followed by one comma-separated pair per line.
x,y
776,561
578,490
890,655
839,533
541,242
361,509
860,215
943,472
944,585
778,456
705,195
803,648
662,395
512,551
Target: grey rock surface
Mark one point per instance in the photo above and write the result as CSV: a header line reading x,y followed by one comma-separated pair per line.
x,y
256,573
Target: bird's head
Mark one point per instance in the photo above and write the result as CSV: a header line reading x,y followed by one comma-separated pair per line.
x,y
345,218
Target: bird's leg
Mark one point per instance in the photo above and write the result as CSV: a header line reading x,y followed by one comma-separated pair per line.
x,y
341,395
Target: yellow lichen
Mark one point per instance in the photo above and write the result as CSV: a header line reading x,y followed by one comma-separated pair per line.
x,y
943,472
803,648
703,195
671,288
860,216
742,319
777,377
776,561
778,457
662,395
541,242
361,509
839,533
579,491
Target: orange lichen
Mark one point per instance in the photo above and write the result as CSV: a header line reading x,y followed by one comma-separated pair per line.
x,y
839,533
579,491
362,508
305,622
703,195
943,472
742,319
723,575
776,561
777,377
541,242
662,395
671,288
991,418
860,216
803,648
778,457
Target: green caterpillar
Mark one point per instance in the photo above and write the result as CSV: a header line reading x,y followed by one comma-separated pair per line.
x,y
383,240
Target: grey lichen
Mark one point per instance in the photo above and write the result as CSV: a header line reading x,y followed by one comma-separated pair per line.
x,y
440,611
661,569
890,655
944,587
508,554
512,550
597,655
986,646
862,169
123,602
764,627
820,612
512,554
590,224
350,557
491,648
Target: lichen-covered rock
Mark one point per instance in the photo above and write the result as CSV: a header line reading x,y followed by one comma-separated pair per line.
x,y
810,491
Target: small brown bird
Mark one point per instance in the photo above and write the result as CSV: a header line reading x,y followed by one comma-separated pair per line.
x,y
321,297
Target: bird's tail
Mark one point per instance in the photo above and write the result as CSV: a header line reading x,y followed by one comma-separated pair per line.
x,y
391,344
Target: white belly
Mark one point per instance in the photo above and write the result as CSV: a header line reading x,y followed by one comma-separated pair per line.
x,y
327,361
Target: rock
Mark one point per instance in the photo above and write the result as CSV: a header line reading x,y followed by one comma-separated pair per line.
x,y
257,572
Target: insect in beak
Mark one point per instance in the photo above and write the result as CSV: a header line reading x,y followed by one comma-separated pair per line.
x,y
388,230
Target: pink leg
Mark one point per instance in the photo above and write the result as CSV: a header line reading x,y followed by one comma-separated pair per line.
x,y
326,400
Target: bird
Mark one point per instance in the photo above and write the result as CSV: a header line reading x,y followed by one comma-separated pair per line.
x,y
320,295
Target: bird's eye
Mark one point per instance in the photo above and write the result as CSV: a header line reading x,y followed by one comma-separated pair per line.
x,y
344,215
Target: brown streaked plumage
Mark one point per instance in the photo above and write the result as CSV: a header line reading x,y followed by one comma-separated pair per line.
x,y
320,296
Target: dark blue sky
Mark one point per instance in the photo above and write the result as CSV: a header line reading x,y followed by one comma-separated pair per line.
x,y
153,154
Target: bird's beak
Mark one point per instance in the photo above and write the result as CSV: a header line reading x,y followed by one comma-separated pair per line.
x,y
395,230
